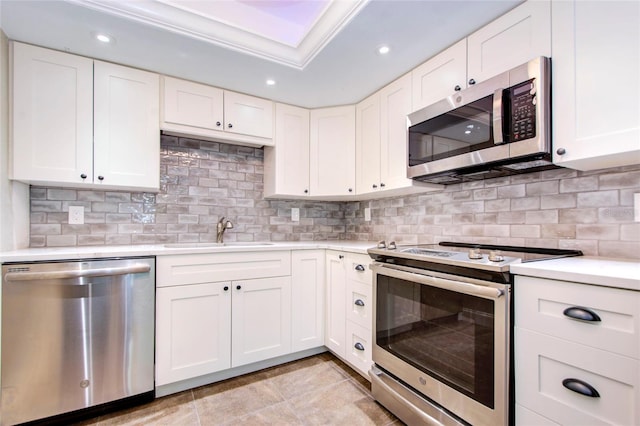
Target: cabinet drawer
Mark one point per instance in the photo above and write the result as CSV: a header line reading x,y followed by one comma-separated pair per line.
x,y
358,347
540,304
358,268
526,417
214,267
544,362
359,304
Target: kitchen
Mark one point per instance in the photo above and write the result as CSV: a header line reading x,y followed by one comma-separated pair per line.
x,y
202,181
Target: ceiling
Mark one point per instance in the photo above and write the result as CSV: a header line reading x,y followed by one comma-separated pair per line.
x,y
319,52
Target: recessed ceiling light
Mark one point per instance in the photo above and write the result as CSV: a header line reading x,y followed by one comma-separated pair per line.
x,y
384,49
103,38
271,82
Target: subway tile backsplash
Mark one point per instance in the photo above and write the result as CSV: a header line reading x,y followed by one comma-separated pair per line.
x,y
203,181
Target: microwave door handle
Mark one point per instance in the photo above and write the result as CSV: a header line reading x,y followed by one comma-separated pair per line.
x,y
498,112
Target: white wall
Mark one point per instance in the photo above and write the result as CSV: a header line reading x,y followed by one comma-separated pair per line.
x,y
14,196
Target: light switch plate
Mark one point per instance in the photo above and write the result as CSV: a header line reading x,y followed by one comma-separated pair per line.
x,y
76,215
367,214
295,214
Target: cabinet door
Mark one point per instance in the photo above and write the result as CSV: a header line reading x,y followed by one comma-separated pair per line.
x,y
333,149
596,69
248,115
307,289
126,127
335,338
193,331
368,145
395,105
511,40
261,318
286,165
192,104
52,104
440,76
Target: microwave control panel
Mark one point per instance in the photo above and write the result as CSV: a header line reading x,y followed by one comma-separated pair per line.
x,y
523,111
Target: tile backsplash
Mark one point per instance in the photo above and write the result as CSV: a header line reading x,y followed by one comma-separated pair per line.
x,y
204,181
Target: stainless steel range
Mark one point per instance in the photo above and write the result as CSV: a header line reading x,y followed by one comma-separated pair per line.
x,y
443,331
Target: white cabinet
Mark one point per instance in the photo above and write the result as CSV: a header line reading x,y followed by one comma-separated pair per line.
x,y
571,341
332,152
218,311
596,81
83,123
308,292
349,323
511,40
194,109
286,164
381,143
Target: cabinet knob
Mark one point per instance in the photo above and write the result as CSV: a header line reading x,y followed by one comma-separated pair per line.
x,y
561,151
101,178
230,125
238,287
382,185
340,256
581,387
359,268
359,346
306,191
457,88
218,123
350,189
83,176
226,288
374,186
472,81
358,302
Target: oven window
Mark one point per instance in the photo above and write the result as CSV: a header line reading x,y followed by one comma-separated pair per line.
x,y
462,130
445,334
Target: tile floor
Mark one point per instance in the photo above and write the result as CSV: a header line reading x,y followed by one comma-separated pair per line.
x,y
319,390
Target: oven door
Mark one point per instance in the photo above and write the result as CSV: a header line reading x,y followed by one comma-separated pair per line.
x,y
446,337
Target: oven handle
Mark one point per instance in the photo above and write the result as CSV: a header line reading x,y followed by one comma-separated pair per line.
x,y
457,286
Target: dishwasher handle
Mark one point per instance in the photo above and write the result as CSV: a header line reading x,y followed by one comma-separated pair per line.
x,y
77,273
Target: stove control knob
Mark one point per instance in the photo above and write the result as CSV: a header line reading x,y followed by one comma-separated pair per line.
x,y
495,256
382,244
474,253
392,245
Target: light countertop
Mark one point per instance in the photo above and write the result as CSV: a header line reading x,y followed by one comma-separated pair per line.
x,y
91,252
606,272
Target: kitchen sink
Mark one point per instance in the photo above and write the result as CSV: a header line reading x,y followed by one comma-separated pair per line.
x,y
230,244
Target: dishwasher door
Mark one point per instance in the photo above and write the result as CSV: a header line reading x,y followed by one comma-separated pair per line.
x,y
75,335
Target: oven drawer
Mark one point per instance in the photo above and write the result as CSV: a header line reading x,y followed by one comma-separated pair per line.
x,y
358,348
358,268
541,303
359,299
544,362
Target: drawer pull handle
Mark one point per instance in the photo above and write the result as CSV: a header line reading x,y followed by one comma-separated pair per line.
x,y
359,346
358,302
360,268
582,314
583,388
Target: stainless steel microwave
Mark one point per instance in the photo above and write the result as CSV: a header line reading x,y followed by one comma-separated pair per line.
x,y
498,127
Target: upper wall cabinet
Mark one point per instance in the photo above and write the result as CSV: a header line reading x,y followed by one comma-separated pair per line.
x,y
286,165
511,40
83,123
596,82
193,109
332,153
381,143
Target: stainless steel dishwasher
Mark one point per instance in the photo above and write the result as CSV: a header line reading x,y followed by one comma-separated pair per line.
x,y
77,337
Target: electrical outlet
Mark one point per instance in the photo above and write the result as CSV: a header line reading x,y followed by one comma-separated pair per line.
x,y
76,215
295,214
636,207
367,214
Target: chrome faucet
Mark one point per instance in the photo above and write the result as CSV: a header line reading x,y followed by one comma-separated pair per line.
x,y
222,226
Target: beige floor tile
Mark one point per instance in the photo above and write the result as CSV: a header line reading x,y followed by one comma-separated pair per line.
x,y
279,414
178,409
